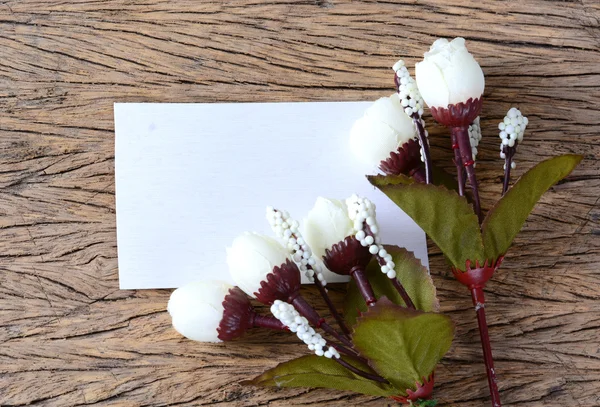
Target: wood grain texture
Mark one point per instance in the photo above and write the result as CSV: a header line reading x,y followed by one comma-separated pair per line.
x,y
70,337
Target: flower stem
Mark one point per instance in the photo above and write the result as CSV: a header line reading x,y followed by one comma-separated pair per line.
x,y
402,291
361,373
460,175
399,287
263,321
363,285
332,308
466,156
509,153
425,146
308,312
479,303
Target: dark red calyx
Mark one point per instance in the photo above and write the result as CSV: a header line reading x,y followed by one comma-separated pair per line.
x,y
282,284
344,256
458,115
424,391
406,160
238,315
479,275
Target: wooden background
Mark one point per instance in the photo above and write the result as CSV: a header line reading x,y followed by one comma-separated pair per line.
x,y
70,337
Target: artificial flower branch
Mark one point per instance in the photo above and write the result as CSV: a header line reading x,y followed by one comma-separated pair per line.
x,y
342,237
412,101
288,231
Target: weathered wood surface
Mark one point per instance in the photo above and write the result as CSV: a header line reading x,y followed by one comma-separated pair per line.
x,y
70,337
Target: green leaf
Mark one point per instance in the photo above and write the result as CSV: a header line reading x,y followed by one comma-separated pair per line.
x,y
384,180
404,346
507,217
315,371
447,218
411,274
441,177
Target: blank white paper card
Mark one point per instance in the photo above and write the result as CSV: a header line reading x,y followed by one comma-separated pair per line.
x,y
191,177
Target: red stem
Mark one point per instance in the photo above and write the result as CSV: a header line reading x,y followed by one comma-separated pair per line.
x,y
479,303
263,321
460,176
466,155
361,373
425,146
399,287
308,312
363,285
334,311
402,291
509,153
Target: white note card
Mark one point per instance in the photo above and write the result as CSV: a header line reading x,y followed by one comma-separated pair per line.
x,y
192,177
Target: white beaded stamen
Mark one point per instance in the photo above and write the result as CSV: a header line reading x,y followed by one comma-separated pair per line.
x,y
362,212
410,97
288,230
512,128
296,323
475,136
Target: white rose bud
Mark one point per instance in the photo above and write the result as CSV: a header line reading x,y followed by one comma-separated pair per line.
x,y
251,257
197,309
449,74
383,128
326,224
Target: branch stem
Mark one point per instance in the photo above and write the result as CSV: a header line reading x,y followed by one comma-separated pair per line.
x,y
402,291
509,153
332,308
466,156
460,175
363,285
422,135
308,312
361,373
264,321
479,303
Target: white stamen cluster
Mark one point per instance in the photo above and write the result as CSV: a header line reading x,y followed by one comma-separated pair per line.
x,y
362,212
475,136
296,323
288,230
512,129
410,97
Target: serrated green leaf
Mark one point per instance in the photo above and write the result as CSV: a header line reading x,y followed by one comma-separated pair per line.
x,y
404,346
447,218
507,217
315,371
411,274
384,180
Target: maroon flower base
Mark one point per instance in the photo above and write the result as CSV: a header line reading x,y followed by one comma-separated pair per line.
x,y
238,315
350,258
406,160
423,392
346,255
281,284
458,115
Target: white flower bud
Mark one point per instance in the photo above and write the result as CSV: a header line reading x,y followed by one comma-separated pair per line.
x,y
196,309
251,257
384,127
326,224
449,74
